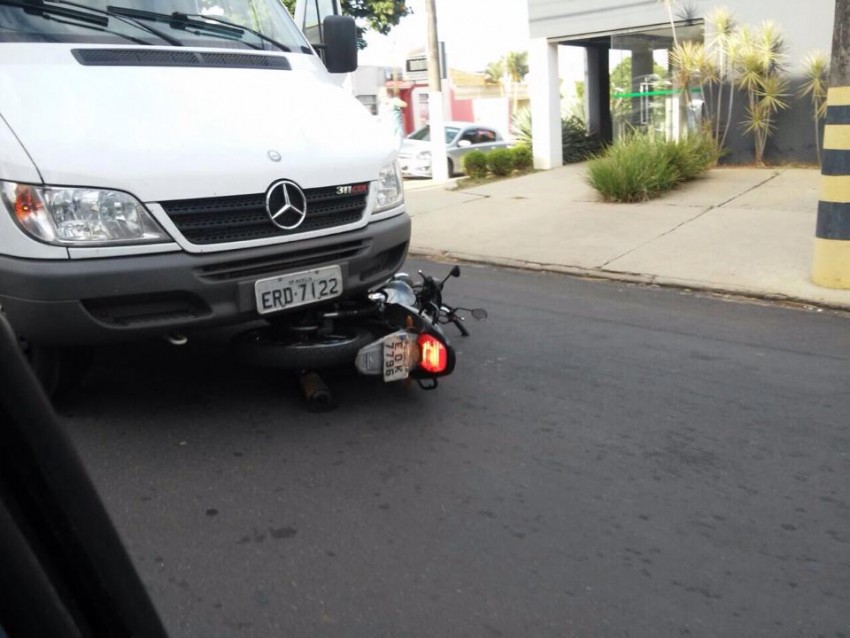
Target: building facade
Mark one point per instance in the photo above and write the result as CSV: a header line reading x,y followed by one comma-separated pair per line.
x,y
468,96
640,31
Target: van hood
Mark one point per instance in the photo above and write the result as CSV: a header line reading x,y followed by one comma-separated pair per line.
x,y
164,133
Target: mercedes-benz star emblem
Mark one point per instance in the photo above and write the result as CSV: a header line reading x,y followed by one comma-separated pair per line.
x,y
286,204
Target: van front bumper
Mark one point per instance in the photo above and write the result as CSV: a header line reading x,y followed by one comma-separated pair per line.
x,y
91,301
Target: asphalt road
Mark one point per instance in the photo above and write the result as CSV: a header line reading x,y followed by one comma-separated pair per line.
x,y
607,460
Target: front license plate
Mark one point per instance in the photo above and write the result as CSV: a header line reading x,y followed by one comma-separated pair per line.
x,y
399,349
298,289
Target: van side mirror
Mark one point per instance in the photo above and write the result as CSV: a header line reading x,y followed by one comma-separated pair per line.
x,y
340,35
333,36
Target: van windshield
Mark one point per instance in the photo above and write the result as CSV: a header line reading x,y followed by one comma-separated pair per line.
x,y
252,24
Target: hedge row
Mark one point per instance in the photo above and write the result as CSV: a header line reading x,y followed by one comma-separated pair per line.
x,y
499,162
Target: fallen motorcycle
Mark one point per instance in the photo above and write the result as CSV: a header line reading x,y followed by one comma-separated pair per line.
x,y
396,332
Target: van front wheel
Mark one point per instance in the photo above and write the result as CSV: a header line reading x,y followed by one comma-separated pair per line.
x,y
59,370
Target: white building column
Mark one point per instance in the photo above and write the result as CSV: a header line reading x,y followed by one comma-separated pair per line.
x,y
544,87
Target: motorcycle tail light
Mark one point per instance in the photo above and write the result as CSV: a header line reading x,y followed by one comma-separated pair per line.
x,y
434,355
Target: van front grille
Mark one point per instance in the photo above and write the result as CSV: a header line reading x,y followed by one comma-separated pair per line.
x,y
217,220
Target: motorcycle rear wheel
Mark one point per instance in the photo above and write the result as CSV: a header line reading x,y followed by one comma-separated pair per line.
x,y
266,347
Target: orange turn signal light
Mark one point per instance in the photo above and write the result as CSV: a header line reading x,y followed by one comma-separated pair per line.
x,y
433,354
26,202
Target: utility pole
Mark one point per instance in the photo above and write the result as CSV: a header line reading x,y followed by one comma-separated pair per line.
x,y
436,115
840,75
832,236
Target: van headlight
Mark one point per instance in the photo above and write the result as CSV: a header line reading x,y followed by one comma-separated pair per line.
x,y
80,216
389,190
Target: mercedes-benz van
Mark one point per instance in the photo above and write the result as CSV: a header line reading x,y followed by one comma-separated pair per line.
x,y
171,165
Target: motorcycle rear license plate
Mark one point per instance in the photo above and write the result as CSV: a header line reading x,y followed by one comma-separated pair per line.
x,y
397,355
297,289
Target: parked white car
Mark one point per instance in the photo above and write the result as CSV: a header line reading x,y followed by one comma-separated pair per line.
x,y
461,138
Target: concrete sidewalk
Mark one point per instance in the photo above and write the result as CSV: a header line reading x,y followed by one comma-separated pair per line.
x,y
739,230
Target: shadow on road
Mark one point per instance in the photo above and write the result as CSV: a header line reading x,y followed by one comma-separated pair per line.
x,y
151,381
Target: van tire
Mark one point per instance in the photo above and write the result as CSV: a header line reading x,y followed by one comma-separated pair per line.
x,y
59,370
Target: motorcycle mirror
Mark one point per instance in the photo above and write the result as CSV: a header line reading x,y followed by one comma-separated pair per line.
x,y
479,313
454,272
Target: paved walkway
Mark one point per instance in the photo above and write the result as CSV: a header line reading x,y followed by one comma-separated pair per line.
x,y
738,230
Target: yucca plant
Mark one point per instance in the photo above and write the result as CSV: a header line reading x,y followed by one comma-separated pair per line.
x,y
759,68
721,49
692,67
576,144
521,126
816,85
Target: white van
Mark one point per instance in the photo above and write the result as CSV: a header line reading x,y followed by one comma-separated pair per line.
x,y
172,165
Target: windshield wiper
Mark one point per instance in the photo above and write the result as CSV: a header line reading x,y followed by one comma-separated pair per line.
x,y
90,15
38,7
259,34
184,22
86,25
139,25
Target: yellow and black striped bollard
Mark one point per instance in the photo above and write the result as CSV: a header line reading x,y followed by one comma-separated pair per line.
x,y
832,243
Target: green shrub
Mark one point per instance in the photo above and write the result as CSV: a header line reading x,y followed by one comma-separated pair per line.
x,y
693,155
576,144
640,166
522,158
500,161
635,169
475,164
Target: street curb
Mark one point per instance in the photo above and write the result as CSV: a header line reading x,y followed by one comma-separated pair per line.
x,y
633,278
